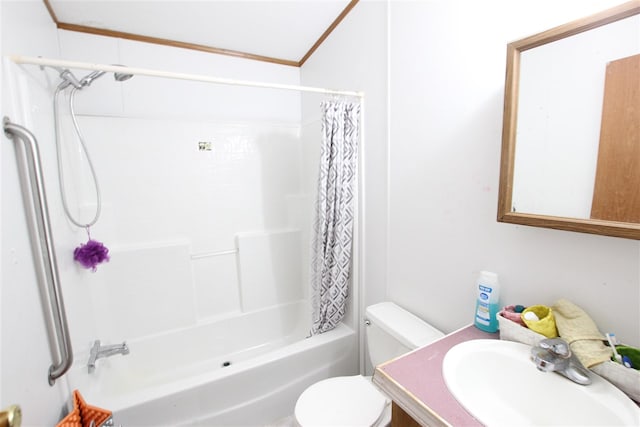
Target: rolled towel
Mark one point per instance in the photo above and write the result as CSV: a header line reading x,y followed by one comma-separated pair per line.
x,y
581,332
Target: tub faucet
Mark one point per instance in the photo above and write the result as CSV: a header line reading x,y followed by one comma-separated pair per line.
x,y
98,351
554,355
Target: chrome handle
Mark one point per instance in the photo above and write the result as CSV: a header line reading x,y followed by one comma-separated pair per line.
x,y
557,346
42,239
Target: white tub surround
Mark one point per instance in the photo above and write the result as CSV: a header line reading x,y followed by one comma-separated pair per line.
x,y
245,370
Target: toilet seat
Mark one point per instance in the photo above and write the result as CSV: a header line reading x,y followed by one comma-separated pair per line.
x,y
341,401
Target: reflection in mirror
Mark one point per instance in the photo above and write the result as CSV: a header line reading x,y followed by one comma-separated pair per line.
x,y
571,135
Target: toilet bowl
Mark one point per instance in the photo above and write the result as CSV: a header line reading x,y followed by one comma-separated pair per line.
x,y
354,400
343,401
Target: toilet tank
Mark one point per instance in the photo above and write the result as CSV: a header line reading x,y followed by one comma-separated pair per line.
x,y
393,331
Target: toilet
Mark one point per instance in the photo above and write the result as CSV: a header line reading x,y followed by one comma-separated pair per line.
x,y
354,400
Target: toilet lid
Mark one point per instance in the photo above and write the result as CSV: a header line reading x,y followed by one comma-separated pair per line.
x,y
340,401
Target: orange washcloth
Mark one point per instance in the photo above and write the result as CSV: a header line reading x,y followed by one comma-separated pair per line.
x,y
82,414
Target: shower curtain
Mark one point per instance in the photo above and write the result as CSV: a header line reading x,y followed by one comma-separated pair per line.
x,y
333,226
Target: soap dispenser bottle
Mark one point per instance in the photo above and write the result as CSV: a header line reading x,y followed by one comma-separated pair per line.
x,y
487,301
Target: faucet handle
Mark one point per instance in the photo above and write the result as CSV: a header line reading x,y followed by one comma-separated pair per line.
x,y
557,346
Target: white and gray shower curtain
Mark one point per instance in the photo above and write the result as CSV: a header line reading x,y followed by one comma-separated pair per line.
x,y
333,226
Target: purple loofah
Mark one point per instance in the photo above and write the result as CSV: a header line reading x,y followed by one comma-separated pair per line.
x,y
90,254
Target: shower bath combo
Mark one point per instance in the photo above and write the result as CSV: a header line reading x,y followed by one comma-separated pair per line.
x,y
266,347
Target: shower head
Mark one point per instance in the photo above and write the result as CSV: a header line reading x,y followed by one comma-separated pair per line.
x,y
88,79
120,77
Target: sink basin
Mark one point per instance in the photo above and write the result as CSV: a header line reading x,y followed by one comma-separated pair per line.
x,y
499,385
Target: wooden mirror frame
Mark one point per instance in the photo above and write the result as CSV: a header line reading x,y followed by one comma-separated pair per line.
x,y
592,226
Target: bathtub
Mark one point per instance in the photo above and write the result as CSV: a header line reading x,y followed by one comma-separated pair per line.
x,y
246,370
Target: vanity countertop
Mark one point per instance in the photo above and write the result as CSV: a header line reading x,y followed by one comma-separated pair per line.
x,y
414,381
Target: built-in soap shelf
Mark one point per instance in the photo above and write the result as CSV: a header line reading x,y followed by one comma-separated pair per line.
x,y
626,379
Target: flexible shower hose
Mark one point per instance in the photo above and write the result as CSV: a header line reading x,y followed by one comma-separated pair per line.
x,y
61,166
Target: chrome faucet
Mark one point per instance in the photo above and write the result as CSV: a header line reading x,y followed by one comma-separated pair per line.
x,y
99,351
554,355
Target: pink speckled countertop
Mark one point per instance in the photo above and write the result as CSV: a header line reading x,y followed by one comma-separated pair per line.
x,y
414,381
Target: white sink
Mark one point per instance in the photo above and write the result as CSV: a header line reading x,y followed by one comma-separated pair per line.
x,y
500,386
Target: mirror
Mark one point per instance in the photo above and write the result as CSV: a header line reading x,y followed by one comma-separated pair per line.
x,y
571,130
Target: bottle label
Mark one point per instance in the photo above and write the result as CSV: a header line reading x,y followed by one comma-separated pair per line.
x,y
484,288
482,313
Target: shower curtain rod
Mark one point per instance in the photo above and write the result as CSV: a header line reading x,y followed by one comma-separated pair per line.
x,y
18,59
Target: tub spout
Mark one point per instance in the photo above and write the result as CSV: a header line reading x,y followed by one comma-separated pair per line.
x,y
99,351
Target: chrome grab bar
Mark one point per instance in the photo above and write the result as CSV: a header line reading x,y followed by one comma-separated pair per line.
x,y
42,237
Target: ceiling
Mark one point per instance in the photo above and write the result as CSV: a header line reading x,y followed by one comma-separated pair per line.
x,y
280,31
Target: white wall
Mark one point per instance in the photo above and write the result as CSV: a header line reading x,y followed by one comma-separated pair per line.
x,y
26,29
1,246
446,84
447,78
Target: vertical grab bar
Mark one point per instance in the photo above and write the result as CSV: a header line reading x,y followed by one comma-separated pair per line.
x,y
42,235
